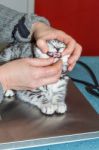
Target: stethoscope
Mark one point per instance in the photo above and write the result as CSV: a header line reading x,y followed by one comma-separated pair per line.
x,y
93,89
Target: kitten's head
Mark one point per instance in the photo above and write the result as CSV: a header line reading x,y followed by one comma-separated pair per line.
x,y
55,50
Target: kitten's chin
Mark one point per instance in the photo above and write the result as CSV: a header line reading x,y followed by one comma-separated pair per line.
x,y
65,59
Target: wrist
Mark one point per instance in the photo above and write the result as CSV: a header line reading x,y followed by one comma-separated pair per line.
x,y
2,80
37,28
38,25
2,89
1,93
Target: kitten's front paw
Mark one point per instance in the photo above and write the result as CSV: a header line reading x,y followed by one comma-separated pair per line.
x,y
47,109
9,93
61,108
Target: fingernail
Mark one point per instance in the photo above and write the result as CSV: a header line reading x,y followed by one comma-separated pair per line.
x,y
63,53
69,68
51,59
45,51
70,61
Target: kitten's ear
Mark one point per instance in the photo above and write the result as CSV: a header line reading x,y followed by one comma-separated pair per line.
x,y
40,62
42,44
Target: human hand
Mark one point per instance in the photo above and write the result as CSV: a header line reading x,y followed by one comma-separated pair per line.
x,y
43,32
29,73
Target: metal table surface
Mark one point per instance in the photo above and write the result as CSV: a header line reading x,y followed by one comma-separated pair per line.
x,y
23,125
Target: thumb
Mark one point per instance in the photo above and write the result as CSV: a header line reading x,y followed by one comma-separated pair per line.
x,y
42,44
40,62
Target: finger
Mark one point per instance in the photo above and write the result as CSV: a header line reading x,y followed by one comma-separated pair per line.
x,y
45,81
40,62
59,35
50,80
70,67
49,71
21,88
42,44
66,39
75,55
53,69
54,34
70,47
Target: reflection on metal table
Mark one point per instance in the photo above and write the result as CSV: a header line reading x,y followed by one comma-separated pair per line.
x,y
23,125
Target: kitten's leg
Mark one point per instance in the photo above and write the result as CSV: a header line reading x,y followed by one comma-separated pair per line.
x,y
46,107
61,93
59,96
61,105
9,93
37,98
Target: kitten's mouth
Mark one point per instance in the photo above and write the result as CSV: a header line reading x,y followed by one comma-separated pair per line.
x,y
55,54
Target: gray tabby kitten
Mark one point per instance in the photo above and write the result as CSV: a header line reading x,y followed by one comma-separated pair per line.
x,y
51,98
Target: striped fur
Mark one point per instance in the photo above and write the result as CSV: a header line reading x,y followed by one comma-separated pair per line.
x,y
49,99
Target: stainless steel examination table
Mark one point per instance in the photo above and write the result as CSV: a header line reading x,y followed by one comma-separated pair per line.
x,y
22,125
